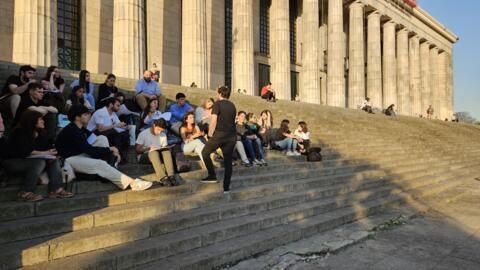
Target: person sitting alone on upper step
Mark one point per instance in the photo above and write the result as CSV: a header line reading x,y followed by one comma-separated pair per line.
x,y
268,92
366,105
390,111
89,154
152,148
147,89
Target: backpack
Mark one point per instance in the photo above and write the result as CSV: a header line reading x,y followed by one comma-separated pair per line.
x,y
314,154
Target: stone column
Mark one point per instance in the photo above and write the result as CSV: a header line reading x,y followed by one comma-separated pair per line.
x,y
322,60
336,55
280,48
194,43
434,82
243,67
35,32
389,65
356,77
425,76
310,89
442,85
415,81
374,61
450,96
403,73
128,38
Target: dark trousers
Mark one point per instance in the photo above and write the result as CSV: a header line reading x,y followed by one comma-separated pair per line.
x,y
51,126
226,142
121,140
269,96
32,168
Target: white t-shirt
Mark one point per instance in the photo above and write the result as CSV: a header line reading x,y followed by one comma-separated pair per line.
x,y
303,135
102,117
147,139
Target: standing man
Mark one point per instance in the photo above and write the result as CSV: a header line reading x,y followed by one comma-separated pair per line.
x,y
221,134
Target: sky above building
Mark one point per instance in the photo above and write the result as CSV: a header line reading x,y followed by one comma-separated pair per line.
x,y
463,18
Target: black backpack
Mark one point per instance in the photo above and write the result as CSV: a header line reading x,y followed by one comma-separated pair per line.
x,y
314,154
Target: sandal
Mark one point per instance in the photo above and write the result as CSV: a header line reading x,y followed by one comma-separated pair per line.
x,y
60,194
29,196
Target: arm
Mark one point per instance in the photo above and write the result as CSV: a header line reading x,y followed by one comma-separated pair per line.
x,y
213,125
102,128
62,87
41,109
140,148
15,89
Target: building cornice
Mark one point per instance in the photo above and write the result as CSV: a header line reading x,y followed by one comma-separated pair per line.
x,y
426,18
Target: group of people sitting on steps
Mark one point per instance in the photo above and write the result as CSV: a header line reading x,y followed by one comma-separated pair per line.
x,y
47,134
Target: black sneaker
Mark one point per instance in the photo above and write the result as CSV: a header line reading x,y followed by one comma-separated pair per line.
x,y
165,181
172,181
209,180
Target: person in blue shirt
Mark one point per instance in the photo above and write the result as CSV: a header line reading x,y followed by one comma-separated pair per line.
x,y
85,82
178,111
147,89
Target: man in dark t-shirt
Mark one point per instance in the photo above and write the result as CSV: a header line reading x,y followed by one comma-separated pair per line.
x,y
222,134
15,86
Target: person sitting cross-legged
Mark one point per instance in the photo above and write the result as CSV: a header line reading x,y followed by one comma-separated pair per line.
x,y
88,154
147,89
151,146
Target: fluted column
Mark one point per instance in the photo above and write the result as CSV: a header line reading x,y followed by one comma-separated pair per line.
x,y
425,76
434,81
389,65
128,38
450,94
280,48
415,82
336,55
403,73
356,77
194,43
243,47
310,90
442,85
35,32
374,61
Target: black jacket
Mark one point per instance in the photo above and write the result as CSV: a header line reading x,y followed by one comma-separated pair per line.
x,y
72,141
18,145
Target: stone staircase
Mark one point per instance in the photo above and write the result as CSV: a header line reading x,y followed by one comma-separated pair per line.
x,y
371,163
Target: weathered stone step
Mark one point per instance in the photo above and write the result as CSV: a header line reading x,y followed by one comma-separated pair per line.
x,y
144,251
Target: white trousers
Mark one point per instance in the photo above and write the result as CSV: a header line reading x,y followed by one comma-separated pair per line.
x,y
194,146
85,164
241,150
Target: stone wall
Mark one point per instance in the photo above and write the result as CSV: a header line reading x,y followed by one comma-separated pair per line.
x,y
6,29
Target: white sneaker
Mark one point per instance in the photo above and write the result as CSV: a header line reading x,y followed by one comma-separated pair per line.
x,y
257,163
290,154
140,185
264,163
296,153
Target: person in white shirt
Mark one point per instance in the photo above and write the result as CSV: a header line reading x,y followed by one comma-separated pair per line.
x,y
302,135
366,105
105,122
152,147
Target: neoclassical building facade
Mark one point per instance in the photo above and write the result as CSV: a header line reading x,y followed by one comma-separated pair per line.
x,y
332,52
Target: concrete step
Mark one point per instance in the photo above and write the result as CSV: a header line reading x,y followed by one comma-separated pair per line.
x,y
143,251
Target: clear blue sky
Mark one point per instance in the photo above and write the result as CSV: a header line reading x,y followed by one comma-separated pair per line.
x,y
463,18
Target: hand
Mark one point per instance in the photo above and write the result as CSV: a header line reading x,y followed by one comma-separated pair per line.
x,y
52,152
114,150
32,81
120,125
52,75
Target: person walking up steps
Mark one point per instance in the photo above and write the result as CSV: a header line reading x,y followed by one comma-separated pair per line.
x,y
221,134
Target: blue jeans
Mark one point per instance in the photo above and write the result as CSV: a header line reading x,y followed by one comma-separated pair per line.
x,y
288,144
250,144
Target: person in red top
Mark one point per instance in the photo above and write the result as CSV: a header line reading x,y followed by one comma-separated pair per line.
x,y
268,93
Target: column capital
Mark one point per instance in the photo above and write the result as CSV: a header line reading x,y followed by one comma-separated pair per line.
x,y
403,30
357,4
374,14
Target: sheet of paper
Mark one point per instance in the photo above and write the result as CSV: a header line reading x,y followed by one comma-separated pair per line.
x,y
91,139
42,156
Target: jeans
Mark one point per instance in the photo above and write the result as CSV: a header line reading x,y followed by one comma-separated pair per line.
x,y
90,99
288,144
226,142
161,161
32,169
251,146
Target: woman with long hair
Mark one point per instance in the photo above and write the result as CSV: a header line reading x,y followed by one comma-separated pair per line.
x,y
53,85
302,135
266,123
106,90
85,82
191,135
27,151
77,97
203,114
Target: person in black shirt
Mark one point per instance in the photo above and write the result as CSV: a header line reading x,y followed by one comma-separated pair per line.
x,y
222,134
54,84
34,102
27,151
10,94
106,90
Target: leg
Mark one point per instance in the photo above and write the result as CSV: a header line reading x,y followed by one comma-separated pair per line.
x,y
14,101
54,175
209,148
32,168
87,165
283,144
154,157
294,145
51,126
141,101
247,143
259,146
168,162
241,150
162,103
227,149
175,128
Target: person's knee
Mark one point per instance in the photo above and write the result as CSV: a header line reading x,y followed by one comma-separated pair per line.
x,y
102,141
